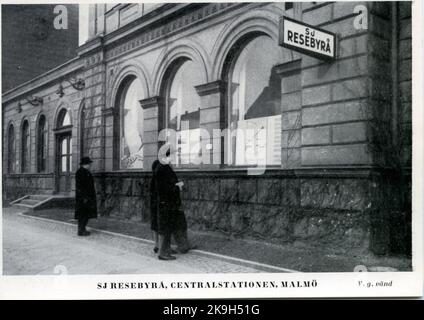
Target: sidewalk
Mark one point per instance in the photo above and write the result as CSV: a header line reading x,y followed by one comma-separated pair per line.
x,y
246,252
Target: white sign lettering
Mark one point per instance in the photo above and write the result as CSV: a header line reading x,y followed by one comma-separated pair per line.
x,y
307,39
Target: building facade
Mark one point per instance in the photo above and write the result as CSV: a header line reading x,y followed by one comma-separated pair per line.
x,y
337,138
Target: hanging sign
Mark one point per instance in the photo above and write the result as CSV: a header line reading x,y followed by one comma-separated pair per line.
x,y
307,39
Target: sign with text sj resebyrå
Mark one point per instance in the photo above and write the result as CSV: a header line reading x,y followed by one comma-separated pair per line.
x,y
307,39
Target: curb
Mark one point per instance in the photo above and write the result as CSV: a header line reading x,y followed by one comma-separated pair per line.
x,y
243,262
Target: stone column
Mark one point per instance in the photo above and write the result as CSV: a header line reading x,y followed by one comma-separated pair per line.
x,y
151,128
94,91
212,98
335,94
108,115
291,114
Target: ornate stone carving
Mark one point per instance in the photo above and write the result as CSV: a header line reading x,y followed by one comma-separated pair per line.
x,y
35,100
60,92
19,107
77,84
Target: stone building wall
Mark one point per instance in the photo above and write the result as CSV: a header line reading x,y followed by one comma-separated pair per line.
x,y
280,207
18,109
94,102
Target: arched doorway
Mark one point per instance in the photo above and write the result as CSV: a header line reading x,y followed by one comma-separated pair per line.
x,y
63,152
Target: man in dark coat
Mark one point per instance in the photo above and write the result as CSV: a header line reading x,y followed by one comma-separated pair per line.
x,y
85,196
168,204
154,207
171,219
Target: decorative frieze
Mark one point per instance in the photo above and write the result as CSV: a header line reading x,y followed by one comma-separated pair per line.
x,y
174,25
94,59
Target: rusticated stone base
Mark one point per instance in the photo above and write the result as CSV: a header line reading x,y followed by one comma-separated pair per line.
x,y
344,211
279,206
19,185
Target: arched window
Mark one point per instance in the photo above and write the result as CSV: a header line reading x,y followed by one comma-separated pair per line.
x,y
82,127
42,144
25,160
64,120
183,109
254,100
131,132
11,149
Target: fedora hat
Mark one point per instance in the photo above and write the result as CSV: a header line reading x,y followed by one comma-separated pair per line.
x,y
85,160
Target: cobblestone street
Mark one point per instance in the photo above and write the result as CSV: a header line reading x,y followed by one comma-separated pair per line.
x,y
33,246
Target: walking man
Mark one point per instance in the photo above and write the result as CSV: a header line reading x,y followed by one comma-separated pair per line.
x,y
85,196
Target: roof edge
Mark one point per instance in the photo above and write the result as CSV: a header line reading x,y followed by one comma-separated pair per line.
x,y
50,76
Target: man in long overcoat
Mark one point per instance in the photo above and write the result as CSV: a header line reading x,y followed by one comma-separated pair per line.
x,y
171,219
168,204
154,206
85,196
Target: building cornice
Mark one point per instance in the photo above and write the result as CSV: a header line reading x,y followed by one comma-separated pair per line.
x,y
142,22
165,21
210,88
54,75
151,102
91,46
156,16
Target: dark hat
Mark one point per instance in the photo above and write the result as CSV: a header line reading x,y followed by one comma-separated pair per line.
x,y
85,160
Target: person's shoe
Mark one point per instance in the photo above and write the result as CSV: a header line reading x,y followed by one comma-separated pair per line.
x,y
155,249
84,233
166,257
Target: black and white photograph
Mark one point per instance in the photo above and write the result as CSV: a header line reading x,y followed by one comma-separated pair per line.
x,y
211,141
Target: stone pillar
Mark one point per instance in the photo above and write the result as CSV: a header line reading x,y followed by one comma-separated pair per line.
x,y
335,94
291,114
212,97
94,77
108,118
151,128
